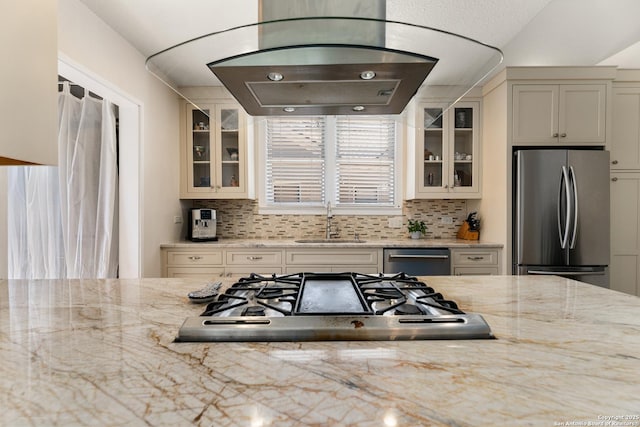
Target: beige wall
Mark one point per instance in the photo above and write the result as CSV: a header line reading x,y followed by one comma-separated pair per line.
x,y
28,103
4,260
87,41
493,208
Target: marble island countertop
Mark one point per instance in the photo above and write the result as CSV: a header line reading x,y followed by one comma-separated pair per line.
x,y
92,352
346,242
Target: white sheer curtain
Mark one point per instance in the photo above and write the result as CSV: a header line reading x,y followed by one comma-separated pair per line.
x,y
63,221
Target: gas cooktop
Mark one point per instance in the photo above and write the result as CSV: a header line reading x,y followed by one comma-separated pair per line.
x,y
332,306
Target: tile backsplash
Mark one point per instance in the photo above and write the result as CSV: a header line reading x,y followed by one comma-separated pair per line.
x,y
240,219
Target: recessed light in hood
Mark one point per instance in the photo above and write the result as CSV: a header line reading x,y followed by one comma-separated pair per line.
x,y
331,65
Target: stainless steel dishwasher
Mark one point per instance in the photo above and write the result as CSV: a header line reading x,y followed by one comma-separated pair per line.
x,y
417,261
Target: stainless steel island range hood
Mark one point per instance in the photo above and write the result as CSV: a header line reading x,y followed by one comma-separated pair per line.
x,y
382,83
333,57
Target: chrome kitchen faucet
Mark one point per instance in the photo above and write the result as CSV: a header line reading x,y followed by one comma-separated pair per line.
x,y
329,232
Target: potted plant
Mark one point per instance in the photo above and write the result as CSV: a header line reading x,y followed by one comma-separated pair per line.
x,y
417,228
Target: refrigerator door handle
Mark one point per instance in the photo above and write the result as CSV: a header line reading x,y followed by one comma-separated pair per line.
x,y
564,236
575,208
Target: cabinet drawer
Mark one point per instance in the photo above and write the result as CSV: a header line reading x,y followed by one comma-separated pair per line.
x,y
175,258
248,258
364,269
196,273
245,271
475,258
475,271
293,269
332,257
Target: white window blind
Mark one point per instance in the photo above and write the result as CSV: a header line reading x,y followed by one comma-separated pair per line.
x,y
365,160
295,160
347,160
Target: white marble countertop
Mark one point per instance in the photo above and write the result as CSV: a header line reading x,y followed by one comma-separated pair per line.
x,y
89,352
368,243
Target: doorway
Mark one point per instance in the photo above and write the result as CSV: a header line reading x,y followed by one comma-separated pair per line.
x,y
129,160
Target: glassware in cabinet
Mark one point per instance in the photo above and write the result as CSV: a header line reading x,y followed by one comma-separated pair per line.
x,y
230,147
463,146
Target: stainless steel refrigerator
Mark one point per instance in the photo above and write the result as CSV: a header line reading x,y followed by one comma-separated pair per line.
x,y
561,214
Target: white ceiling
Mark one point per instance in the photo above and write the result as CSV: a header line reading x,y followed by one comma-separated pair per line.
x,y
530,32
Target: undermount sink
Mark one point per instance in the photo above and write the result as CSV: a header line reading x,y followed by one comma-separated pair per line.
x,y
330,241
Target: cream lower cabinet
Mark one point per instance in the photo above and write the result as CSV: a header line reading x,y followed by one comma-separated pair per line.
x,y
260,261
319,260
624,270
196,263
209,263
475,262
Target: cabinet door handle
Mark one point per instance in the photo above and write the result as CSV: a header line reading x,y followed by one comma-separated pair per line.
x,y
254,258
615,162
475,258
563,135
555,135
614,179
195,258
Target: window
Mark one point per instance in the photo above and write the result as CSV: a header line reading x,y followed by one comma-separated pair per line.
x,y
365,161
295,161
349,161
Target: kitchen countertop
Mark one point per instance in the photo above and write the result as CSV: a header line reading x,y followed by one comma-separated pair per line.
x,y
101,352
367,243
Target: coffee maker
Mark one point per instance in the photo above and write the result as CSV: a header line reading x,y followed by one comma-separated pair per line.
x,y
202,225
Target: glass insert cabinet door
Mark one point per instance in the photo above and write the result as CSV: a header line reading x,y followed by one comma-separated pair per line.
x,y
463,147
229,148
434,153
447,155
215,149
201,146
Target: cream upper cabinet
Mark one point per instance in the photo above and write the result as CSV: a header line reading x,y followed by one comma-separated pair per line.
x,y
447,152
625,141
29,101
564,114
214,152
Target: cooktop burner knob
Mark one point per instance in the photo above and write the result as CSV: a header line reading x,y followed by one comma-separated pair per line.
x,y
253,311
407,309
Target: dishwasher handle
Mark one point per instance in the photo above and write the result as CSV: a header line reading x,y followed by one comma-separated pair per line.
x,y
418,256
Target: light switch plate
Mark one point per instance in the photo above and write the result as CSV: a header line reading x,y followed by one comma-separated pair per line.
x,y
177,220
